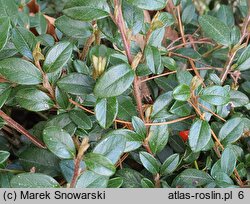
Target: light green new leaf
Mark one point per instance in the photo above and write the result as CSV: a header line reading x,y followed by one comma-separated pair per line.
x,y
59,142
215,29
33,99
33,180
199,135
20,71
106,110
114,81
57,57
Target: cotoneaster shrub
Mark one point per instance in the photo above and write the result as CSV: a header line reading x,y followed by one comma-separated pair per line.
x,y
124,93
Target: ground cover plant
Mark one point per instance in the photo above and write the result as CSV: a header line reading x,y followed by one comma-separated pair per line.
x,y
124,93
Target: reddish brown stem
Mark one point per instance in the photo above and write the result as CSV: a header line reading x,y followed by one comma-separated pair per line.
x,y
22,130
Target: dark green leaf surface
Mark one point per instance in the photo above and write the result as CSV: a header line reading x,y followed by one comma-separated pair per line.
x,y
4,155
90,179
228,161
215,95
182,92
76,84
33,99
4,31
99,164
24,41
111,147
20,71
86,10
106,110
158,138
114,81
149,4
33,180
149,162
231,131
139,126
199,135
59,142
73,28
215,29
153,59
81,119
57,57
170,164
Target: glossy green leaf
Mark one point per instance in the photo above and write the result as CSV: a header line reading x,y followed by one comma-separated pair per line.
x,y
226,15
90,179
181,108
215,29
86,10
73,28
106,110
161,103
33,99
114,81
133,16
149,4
67,168
238,98
215,95
4,31
43,160
153,59
231,131
99,164
146,183
4,155
76,84
199,135
24,41
81,119
149,162
59,142
8,8
228,161
133,140
57,57
182,92
20,71
111,147
170,164
131,178
115,182
5,90
126,108
169,63
33,180
192,178
158,138
139,126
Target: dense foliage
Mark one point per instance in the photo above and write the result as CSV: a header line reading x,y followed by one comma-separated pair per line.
x,y
124,93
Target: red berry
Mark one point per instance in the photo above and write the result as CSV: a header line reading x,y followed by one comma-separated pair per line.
x,y
184,135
